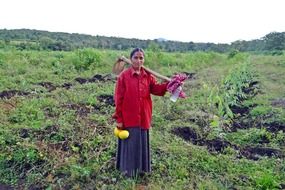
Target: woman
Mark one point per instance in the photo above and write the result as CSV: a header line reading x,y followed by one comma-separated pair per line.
x,y
133,113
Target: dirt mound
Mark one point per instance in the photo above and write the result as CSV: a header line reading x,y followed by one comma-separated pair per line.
x,y
187,134
10,93
95,78
48,85
275,127
213,145
106,99
66,85
254,153
219,145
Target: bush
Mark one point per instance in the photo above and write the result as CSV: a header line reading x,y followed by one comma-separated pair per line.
x,y
87,57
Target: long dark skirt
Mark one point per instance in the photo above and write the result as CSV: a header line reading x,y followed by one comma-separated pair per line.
x,y
133,155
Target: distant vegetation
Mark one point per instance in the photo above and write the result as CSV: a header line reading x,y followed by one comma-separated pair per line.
x,y
44,40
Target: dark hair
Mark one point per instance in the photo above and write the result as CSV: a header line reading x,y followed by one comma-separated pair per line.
x,y
136,50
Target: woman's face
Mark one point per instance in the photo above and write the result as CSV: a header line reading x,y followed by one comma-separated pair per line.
x,y
138,60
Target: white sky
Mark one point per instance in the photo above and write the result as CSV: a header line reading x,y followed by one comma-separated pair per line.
x,y
217,21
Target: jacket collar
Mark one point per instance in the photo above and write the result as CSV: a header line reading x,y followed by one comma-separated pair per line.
x,y
142,73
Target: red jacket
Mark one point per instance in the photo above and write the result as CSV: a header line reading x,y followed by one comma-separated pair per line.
x,y
132,98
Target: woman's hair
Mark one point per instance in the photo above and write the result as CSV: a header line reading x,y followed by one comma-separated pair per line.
x,y
136,50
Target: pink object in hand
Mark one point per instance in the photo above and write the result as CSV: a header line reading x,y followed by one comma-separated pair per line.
x,y
176,81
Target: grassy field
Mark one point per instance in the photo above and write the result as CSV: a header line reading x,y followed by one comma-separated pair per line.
x,y
56,130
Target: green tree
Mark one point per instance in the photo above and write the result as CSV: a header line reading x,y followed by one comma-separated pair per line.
x,y
275,41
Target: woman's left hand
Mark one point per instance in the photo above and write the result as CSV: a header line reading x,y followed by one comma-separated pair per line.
x,y
120,126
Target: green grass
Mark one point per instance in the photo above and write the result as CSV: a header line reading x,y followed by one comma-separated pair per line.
x,y
63,138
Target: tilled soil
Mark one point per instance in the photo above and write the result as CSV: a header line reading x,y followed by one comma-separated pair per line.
x,y
219,145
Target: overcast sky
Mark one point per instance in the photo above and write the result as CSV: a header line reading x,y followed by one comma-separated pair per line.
x,y
217,21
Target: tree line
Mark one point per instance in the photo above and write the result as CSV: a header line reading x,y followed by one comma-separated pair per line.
x,y
59,41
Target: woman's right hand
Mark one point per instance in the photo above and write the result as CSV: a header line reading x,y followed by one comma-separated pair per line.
x,y
120,126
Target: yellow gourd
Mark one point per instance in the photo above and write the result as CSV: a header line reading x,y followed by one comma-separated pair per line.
x,y
122,134
117,131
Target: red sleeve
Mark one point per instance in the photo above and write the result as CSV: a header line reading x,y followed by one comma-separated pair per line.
x,y
119,97
156,88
